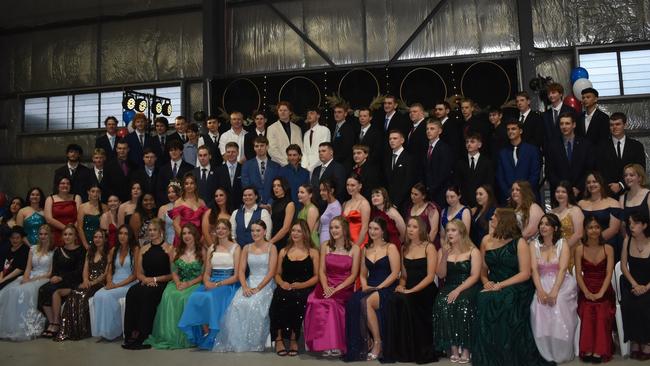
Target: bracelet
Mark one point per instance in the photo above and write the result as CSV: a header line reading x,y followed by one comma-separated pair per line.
x,y
218,283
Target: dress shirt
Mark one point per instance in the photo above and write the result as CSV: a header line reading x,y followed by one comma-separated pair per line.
x,y
231,136
248,215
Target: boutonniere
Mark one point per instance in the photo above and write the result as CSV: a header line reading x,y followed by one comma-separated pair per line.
x,y
211,172
400,165
338,134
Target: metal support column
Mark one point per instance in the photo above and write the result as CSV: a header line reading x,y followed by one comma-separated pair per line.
x,y
527,47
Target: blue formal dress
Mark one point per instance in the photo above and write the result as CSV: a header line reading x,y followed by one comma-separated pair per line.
x,y
209,306
356,329
107,314
246,323
31,225
170,234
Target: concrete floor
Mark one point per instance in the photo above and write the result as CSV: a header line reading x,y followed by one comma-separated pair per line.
x,y
42,352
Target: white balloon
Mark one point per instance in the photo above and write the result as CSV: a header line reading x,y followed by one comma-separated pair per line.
x,y
580,85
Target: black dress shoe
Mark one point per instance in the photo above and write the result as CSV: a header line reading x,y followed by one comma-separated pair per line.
x,y
595,359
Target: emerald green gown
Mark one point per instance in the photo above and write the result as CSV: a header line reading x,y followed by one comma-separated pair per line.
x,y
502,332
452,323
166,334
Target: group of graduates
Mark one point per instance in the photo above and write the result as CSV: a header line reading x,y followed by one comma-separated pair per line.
x,y
222,238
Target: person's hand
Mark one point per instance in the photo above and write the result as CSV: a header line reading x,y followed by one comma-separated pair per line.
x,y
400,288
210,285
542,296
446,249
328,291
638,290
576,192
614,187
180,286
452,296
285,286
109,286
489,285
85,285
551,300
369,289
55,279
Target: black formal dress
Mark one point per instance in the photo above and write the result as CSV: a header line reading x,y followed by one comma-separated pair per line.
x,y
142,300
636,309
67,264
278,211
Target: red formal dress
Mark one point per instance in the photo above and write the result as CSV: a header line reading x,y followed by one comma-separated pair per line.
x,y
187,215
354,221
596,317
66,213
391,226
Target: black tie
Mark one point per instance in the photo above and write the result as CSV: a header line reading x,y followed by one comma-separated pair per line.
x,y
162,142
215,139
618,149
203,174
472,165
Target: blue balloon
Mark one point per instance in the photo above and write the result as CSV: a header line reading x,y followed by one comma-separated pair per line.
x,y
579,73
127,116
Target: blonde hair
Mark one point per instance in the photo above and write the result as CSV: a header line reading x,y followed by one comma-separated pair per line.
x,y
638,170
465,242
41,246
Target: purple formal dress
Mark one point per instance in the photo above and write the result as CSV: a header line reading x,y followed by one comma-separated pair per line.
x,y
325,318
554,327
333,209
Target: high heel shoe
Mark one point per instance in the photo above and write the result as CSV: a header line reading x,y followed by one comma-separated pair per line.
x,y
371,356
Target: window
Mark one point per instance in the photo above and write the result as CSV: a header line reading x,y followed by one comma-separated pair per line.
x,y
617,73
84,110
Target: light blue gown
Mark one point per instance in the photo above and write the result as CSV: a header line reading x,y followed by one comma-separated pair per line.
x,y
169,226
246,323
107,314
209,306
20,320
31,225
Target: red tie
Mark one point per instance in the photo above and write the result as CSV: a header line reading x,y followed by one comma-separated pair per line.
x,y
125,168
429,152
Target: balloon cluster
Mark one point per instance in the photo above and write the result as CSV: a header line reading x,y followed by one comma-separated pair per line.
x,y
580,82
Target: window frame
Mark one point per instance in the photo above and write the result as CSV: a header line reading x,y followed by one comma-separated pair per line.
x,y
182,84
616,48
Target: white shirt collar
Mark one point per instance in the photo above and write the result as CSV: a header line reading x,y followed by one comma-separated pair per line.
x,y
416,124
589,115
442,121
469,157
70,167
248,210
365,129
325,165
559,106
204,167
399,151
110,136
213,135
389,116
178,162
97,170
525,114
434,142
622,140
231,165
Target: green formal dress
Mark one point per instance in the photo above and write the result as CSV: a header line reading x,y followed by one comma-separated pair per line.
x,y
502,332
166,334
302,215
91,224
452,323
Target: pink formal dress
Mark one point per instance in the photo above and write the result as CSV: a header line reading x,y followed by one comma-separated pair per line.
x,y
554,327
187,215
325,317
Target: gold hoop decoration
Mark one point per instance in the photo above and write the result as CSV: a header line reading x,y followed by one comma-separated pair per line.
x,y
225,91
462,80
351,71
320,96
401,85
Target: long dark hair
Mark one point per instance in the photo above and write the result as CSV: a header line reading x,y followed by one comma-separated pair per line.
x,y
306,237
140,210
132,244
555,223
182,247
588,220
568,187
41,202
92,248
384,228
214,208
491,202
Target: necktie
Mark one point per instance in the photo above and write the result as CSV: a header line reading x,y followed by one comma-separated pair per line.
x,y
618,150
472,165
231,170
162,142
183,137
141,140
322,170
429,152
555,113
311,137
386,121
410,132
392,165
361,134
112,140
514,155
100,175
569,150
175,169
125,168
262,169
203,177
72,170
522,118
336,130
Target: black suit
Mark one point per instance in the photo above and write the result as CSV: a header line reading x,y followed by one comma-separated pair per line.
x,y
234,189
452,134
598,127
136,150
118,183
370,178
399,178
499,140
334,172
79,181
148,184
166,175
103,184
398,122
102,142
342,142
610,166
374,139
552,128
160,149
469,180
206,188
213,147
416,145
533,129
438,170
176,136
559,167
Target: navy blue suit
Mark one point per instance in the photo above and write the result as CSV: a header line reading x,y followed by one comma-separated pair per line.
x,y
250,176
136,151
527,168
552,128
206,188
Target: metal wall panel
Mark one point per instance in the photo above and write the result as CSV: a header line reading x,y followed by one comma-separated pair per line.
x,y
558,66
637,112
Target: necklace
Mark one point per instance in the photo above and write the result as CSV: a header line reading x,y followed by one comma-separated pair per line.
x,y
638,248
